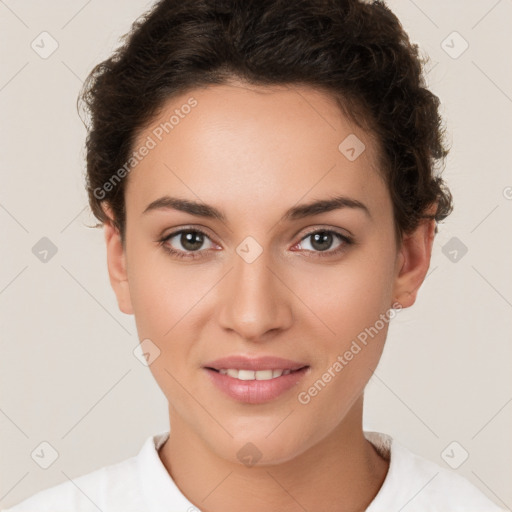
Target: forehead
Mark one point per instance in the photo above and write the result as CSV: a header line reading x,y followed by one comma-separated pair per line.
x,y
253,145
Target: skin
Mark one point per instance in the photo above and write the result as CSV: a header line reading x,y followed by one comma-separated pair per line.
x,y
254,152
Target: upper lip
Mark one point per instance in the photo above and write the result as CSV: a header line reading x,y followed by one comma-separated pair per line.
x,y
241,362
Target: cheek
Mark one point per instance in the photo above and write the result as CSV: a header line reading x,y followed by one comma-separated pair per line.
x,y
165,302
351,302
345,361
351,296
163,293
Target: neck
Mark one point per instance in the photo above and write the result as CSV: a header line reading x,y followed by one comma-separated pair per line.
x,y
343,473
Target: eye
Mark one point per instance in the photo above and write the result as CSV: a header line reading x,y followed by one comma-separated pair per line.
x,y
322,240
185,242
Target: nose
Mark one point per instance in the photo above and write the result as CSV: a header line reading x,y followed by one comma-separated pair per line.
x,y
255,301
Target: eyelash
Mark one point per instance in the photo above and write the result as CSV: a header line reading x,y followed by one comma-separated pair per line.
x,y
191,255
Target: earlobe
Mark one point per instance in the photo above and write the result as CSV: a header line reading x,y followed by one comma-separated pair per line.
x,y
116,263
413,262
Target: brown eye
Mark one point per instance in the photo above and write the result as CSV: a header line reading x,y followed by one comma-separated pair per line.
x,y
321,242
185,242
191,240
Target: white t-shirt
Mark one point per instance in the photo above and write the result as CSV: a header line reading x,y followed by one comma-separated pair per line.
x,y
142,484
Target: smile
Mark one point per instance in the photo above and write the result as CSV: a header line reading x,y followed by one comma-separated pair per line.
x,y
253,375
255,386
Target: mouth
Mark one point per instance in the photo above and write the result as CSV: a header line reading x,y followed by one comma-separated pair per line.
x,y
255,381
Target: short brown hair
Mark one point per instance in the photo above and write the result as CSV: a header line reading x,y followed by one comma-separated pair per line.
x,y
357,51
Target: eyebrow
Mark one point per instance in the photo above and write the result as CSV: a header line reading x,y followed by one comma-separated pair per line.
x,y
295,213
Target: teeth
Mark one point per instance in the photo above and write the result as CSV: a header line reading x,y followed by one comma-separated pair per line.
x,y
253,375
246,375
263,375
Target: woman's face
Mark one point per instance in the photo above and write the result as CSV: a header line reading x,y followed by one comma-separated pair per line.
x,y
258,283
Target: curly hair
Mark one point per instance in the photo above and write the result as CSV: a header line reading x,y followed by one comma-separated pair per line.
x,y
356,51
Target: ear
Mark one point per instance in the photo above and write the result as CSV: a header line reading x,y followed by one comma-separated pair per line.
x,y
414,260
116,262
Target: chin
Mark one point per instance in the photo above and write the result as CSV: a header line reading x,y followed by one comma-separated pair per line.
x,y
257,448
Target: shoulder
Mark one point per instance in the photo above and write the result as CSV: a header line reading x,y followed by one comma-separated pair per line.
x,y
102,489
416,483
139,483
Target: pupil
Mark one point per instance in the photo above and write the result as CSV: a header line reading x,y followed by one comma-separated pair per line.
x,y
191,240
320,239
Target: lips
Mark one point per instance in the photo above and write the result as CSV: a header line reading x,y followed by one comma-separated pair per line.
x,y
255,380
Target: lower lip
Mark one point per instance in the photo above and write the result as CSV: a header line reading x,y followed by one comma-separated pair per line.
x,y
256,391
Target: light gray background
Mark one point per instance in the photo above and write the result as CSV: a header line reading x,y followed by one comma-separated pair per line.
x,y
68,374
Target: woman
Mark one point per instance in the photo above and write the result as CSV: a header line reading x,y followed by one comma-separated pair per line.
x,y
265,173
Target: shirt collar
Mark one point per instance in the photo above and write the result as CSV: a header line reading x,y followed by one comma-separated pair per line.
x,y
160,492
